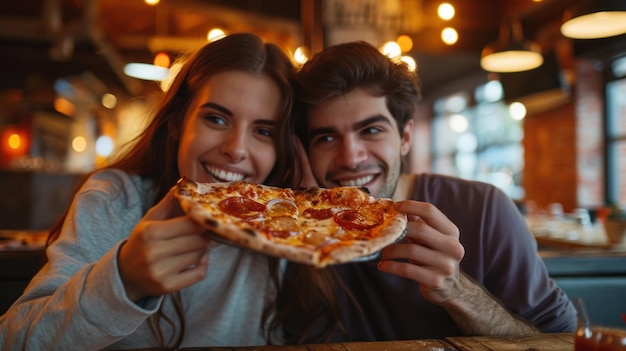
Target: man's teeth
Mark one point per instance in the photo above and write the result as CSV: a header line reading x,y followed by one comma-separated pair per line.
x,y
224,175
357,182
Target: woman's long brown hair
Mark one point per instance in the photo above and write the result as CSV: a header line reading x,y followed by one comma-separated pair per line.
x,y
153,154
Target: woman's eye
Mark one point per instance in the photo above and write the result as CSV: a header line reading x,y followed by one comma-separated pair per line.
x,y
215,119
265,132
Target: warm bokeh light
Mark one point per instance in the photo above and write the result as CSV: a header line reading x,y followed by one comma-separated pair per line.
x,y
449,36
14,142
64,106
517,110
405,42
214,34
301,55
162,60
151,2
410,62
391,49
445,11
79,144
109,101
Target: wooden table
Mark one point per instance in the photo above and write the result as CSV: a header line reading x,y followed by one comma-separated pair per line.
x,y
536,342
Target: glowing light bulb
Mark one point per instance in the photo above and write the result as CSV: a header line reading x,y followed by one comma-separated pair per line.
x,y
449,36
215,34
445,11
79,144
391,49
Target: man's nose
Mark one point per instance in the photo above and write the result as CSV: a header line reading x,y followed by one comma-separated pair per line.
x,y
235,145
351,154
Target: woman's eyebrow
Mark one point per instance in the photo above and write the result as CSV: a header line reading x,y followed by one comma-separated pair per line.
x,y
217,107
268,122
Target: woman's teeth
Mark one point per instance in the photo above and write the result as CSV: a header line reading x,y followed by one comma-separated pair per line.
x,y
224,175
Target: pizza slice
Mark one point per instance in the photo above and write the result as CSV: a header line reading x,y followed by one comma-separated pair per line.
x,y
316,226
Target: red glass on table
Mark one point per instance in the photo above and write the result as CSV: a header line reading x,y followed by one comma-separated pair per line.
x,y
596,338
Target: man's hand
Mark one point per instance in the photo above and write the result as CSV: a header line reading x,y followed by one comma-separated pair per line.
x,y
432,249
431,256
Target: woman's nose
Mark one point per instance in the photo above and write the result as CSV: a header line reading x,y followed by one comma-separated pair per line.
x,y
235,146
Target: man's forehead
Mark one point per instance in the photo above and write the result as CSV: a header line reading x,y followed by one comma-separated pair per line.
x,y
348,109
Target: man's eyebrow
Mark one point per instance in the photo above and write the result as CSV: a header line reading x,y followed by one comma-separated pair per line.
x,y
371,120
355,126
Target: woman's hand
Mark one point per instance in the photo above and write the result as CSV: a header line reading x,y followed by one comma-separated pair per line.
x,y
430,255
166,252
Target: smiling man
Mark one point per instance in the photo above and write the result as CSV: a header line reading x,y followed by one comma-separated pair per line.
x,y
468,265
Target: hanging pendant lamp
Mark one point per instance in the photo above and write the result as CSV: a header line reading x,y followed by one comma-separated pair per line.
x,y
511,53
593,19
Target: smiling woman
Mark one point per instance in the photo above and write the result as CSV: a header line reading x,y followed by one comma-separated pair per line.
x,y
124,249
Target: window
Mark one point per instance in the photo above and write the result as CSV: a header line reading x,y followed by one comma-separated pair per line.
x,y
479,142
616,140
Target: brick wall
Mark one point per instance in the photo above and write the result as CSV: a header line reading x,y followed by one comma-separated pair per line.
x,y
549,157
563,147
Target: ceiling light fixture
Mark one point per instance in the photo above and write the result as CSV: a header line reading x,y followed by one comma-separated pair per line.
x,y
159,69
595,19
511,53
146,71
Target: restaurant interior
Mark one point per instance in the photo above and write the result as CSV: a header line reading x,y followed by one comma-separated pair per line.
x,y
551,135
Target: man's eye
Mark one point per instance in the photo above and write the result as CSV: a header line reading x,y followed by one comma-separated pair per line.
x,y
372,130
323,139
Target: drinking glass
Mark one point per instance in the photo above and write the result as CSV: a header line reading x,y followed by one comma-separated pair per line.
x,y
593,337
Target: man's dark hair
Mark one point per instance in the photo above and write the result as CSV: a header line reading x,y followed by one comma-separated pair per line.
x,y
340,69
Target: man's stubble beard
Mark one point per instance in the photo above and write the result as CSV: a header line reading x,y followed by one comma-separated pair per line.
x,y
388,187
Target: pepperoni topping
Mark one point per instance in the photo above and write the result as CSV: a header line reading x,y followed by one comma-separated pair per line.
x,y
318,213
241,207
358,220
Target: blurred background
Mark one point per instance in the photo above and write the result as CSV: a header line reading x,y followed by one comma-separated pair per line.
x,y
552,134
528,95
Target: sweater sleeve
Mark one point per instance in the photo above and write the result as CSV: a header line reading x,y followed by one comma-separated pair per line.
x,y
515,273
78,296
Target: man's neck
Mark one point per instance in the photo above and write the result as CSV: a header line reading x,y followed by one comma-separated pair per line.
x,y
405,187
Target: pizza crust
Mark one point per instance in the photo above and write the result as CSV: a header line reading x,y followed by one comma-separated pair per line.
x,y
245,235
396,229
